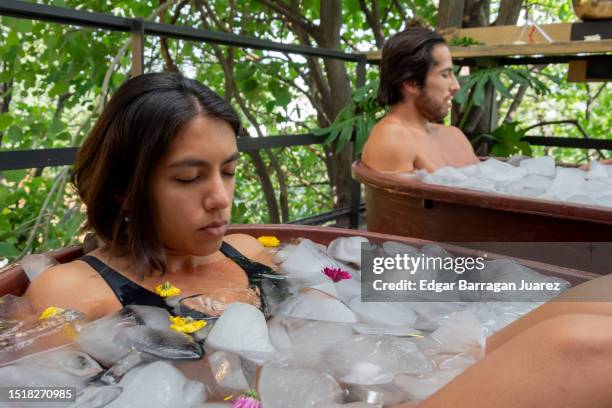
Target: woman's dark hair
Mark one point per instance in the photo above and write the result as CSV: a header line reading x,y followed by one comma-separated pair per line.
x,y
114,164
406,57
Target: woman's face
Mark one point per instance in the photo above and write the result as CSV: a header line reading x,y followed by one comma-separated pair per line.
x,y
193,187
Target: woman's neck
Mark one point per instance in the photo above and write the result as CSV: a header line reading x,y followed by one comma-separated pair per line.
x,y
176,262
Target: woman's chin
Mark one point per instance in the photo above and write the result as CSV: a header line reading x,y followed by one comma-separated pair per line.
x,y
207,248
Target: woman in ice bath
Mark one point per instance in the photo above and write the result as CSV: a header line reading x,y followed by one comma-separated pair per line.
x,y
157,177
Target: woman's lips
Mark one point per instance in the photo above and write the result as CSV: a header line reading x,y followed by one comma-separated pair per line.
x,y
217,228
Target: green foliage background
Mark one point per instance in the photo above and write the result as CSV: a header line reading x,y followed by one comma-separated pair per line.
x,y
54,76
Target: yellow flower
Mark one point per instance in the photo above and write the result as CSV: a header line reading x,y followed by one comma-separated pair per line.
x,y
269,241
186,324
167,289
50,312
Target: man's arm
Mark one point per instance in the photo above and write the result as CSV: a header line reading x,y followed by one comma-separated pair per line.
x,y
467,148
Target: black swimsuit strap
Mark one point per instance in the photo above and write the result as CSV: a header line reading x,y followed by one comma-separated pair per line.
x,y
253,269
128,292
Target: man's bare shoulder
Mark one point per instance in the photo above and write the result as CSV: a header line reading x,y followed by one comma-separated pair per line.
x,y
450,131
389,130
390,147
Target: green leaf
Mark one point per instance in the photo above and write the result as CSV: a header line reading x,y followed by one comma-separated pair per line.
x,y
270,106
15,175
345,136
59,88
250,85
333,127
57,126
5,120
332,136
283,97
8,250
12,39
515,77
361,134
23,25
14,134
461,96
479,92
500,86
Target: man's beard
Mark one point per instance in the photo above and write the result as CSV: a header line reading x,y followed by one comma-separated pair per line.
x,y
429,108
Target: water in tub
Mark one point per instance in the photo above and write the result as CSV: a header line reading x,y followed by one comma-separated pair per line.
x,y
319,345
531,178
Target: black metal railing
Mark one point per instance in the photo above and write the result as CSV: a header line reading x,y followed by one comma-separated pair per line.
x,y
138,29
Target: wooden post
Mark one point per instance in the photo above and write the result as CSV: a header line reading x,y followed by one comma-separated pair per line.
x,y
355,185
137,34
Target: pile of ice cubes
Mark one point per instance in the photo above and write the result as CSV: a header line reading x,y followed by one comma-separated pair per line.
x,y
320,346
532,178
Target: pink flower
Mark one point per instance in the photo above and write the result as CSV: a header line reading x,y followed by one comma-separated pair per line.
x,y
336,274
246,402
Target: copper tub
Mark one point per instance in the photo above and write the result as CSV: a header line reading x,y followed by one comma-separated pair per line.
x,y
404,205
13,279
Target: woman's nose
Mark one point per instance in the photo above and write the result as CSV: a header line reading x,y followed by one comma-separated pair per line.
x,y
218,196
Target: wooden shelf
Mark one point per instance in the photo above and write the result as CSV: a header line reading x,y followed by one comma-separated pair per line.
x,y
556,48
499,41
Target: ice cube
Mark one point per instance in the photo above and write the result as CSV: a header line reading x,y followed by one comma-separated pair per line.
x,y
499,172
307,261
283,253
347,249
567,182
158,384
419,387
460,332
228,334
94,396
392,313
543,166
317,307
99,338
227,371
596,171
283,386
36,263
450,174
368,360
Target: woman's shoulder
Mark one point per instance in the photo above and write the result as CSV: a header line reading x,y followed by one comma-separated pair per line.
x,y
66,285
250,247
66,274
246,244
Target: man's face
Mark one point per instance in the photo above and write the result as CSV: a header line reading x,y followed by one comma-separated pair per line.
x,y
435,99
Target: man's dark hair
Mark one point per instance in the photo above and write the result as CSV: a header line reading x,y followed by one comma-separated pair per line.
x,y
406,56
114,165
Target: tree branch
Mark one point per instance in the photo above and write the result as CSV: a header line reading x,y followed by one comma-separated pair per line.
x,y
373,19
280,7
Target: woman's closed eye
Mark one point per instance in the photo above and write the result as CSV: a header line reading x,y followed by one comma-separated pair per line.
x,y
187,180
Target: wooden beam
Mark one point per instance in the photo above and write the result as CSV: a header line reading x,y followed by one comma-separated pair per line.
x,y
527,40
494,35
557,48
